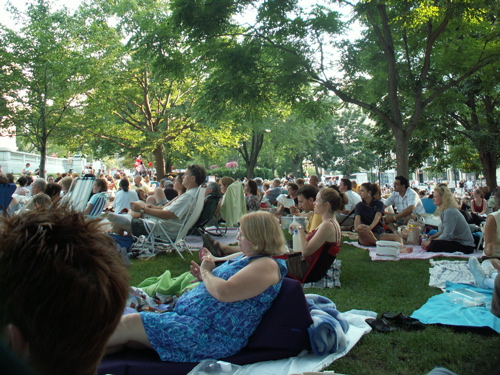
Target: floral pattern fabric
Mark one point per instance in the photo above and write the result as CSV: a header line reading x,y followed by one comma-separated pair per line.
x,y
253,203
201,327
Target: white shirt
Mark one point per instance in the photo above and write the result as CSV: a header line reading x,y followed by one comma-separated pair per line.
x,y
123,200
409,199
180,207
354,199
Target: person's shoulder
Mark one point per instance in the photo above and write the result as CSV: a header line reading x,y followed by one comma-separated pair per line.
x,y
411,192
451,211
264,263
495,214
355,194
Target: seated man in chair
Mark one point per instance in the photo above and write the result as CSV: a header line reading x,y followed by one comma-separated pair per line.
x,y
173,214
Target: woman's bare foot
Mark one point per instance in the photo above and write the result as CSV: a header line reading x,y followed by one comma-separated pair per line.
x,y
407,250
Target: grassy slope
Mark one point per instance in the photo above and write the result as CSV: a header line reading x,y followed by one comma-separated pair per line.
x,y
382,286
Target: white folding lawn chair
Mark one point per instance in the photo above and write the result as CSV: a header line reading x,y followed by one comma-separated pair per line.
x,y
79,193
158,233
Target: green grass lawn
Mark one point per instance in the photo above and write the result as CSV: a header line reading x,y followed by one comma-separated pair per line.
x,y
381,286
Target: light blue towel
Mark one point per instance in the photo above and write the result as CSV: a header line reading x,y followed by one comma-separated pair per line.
x,y
441,310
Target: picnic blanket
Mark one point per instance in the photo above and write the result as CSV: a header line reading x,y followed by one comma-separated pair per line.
x,y
454,271
441,310
306,361
331,279
417,253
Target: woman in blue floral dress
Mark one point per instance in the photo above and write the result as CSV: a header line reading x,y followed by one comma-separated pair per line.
x,y
216,318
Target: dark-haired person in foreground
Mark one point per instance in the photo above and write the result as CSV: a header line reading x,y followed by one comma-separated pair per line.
x,y
63,288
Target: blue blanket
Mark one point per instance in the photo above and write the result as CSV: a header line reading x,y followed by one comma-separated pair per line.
x,y
329,328
440,310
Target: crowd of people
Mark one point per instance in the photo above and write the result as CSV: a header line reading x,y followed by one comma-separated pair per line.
x,y
84,263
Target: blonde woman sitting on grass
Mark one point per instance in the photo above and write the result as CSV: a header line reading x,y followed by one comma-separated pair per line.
x,y
453,233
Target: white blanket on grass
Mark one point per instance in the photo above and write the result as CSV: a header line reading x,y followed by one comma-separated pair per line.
x,y
306,361
454,271
417,253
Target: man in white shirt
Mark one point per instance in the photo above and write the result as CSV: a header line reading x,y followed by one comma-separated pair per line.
x,y
172,215
343,217
407,202
470,185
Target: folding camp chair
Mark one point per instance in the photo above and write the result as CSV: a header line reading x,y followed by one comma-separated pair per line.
x,y
6,191
480,243
209,208
100,204
319,268
345,218
79,193
155,226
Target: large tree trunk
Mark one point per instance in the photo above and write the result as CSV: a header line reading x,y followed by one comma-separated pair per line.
x,y
250,168
251,156
489,162
159,161
402,138
43,156
297,166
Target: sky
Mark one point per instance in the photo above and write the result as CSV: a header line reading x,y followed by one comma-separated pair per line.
x,y
21,4
73,4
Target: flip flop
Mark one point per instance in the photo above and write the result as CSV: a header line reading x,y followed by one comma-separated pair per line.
x,y
403,321
380,325
212,245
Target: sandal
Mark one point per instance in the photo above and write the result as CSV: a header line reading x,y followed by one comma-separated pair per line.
x,y
212,245
380,325
403,321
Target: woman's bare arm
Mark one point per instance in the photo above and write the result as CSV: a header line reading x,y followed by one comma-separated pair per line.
x,y
247,283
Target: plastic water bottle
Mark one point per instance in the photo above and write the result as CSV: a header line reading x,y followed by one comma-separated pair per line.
x,y
423,238
297,242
